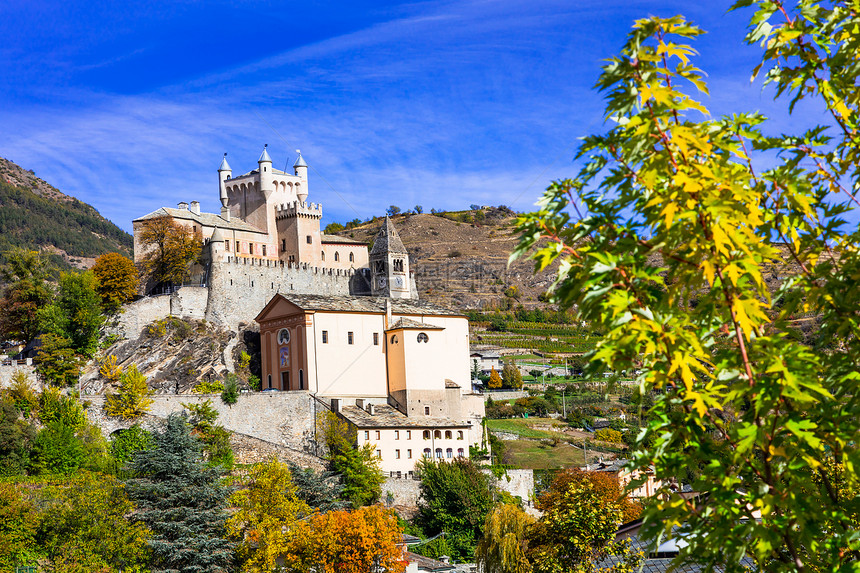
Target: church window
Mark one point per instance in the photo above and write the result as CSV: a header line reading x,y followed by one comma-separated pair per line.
x,y
309,239
350,338
449,453
351,258
437,434
264,250
376,339
448,434
422,337
426,434
398,265
325,336
336,256
270,380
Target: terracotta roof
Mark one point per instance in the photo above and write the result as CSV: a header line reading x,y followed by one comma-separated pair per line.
x,y
408,323
206,219
385,416
387,240
366,304
339,239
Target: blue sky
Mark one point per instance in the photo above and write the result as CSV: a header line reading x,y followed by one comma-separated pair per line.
x,y
129,106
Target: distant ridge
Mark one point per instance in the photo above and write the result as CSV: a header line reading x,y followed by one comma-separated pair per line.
x,y
36,215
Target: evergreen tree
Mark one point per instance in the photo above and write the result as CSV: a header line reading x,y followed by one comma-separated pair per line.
x,y
320,490
511,376
181,500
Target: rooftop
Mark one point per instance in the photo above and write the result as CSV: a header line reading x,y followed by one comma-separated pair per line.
x,y
367,304
407,323
387,240
204,219
385,416
339,239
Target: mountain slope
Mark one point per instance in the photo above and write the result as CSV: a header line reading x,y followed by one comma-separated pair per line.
x,y
36,215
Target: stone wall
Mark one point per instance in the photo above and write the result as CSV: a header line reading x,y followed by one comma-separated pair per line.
x,y
404,491
136,315
6,372
241,287
506,395
249,450
279,418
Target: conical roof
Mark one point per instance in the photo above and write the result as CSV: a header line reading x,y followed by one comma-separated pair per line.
x,y
387,240
217,236
300,161
224,165
265,155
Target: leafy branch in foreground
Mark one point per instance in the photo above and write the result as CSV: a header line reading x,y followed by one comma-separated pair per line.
x,y
762,423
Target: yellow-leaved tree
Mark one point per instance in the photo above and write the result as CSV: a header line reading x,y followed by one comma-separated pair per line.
x,y
132,400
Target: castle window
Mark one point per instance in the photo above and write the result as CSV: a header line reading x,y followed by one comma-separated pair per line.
x,y
426,410
376,339
449,453
283,245
426,434
448,435
351,258
309,239
460,453
350,338
322,254
398,265
237,246
459,434
325,336
422,337
336,256
264,250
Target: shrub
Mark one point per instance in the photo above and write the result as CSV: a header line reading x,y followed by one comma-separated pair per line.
x,y
208,387
230,395
609,435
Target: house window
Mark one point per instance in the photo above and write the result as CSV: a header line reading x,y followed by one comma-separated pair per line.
x,y
426,410
351,258
460,453
427,453
448,434
376,339
325,336
309,239
367,434
422,337
336,256
396,434
449,453
264,250
459,434
377,434
437,434
237,246
439,453
396,454
349,338
408,434
426,434
227,246
379,454
409,454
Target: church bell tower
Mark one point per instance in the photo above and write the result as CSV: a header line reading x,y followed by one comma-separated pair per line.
x,y
389,264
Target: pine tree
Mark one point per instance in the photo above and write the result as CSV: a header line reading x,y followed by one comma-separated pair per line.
x,y
181,500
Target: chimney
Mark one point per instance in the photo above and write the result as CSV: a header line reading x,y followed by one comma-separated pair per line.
x,y
371,409
195,207
225,213
335,405
182,205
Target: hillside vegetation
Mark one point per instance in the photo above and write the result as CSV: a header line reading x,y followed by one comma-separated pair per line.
x,y
36,215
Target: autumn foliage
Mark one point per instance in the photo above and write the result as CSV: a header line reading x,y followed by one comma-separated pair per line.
x,y
605,485
117,280
171,248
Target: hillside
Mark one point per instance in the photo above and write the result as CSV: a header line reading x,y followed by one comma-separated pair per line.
x,y
36,215
464,265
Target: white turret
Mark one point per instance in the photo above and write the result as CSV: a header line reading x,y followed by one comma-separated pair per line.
x,y
224,173
301,170
265,165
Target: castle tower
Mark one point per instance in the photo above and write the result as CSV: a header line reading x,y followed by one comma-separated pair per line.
x,y
301,170
224,173
389,264
216,246
265,169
